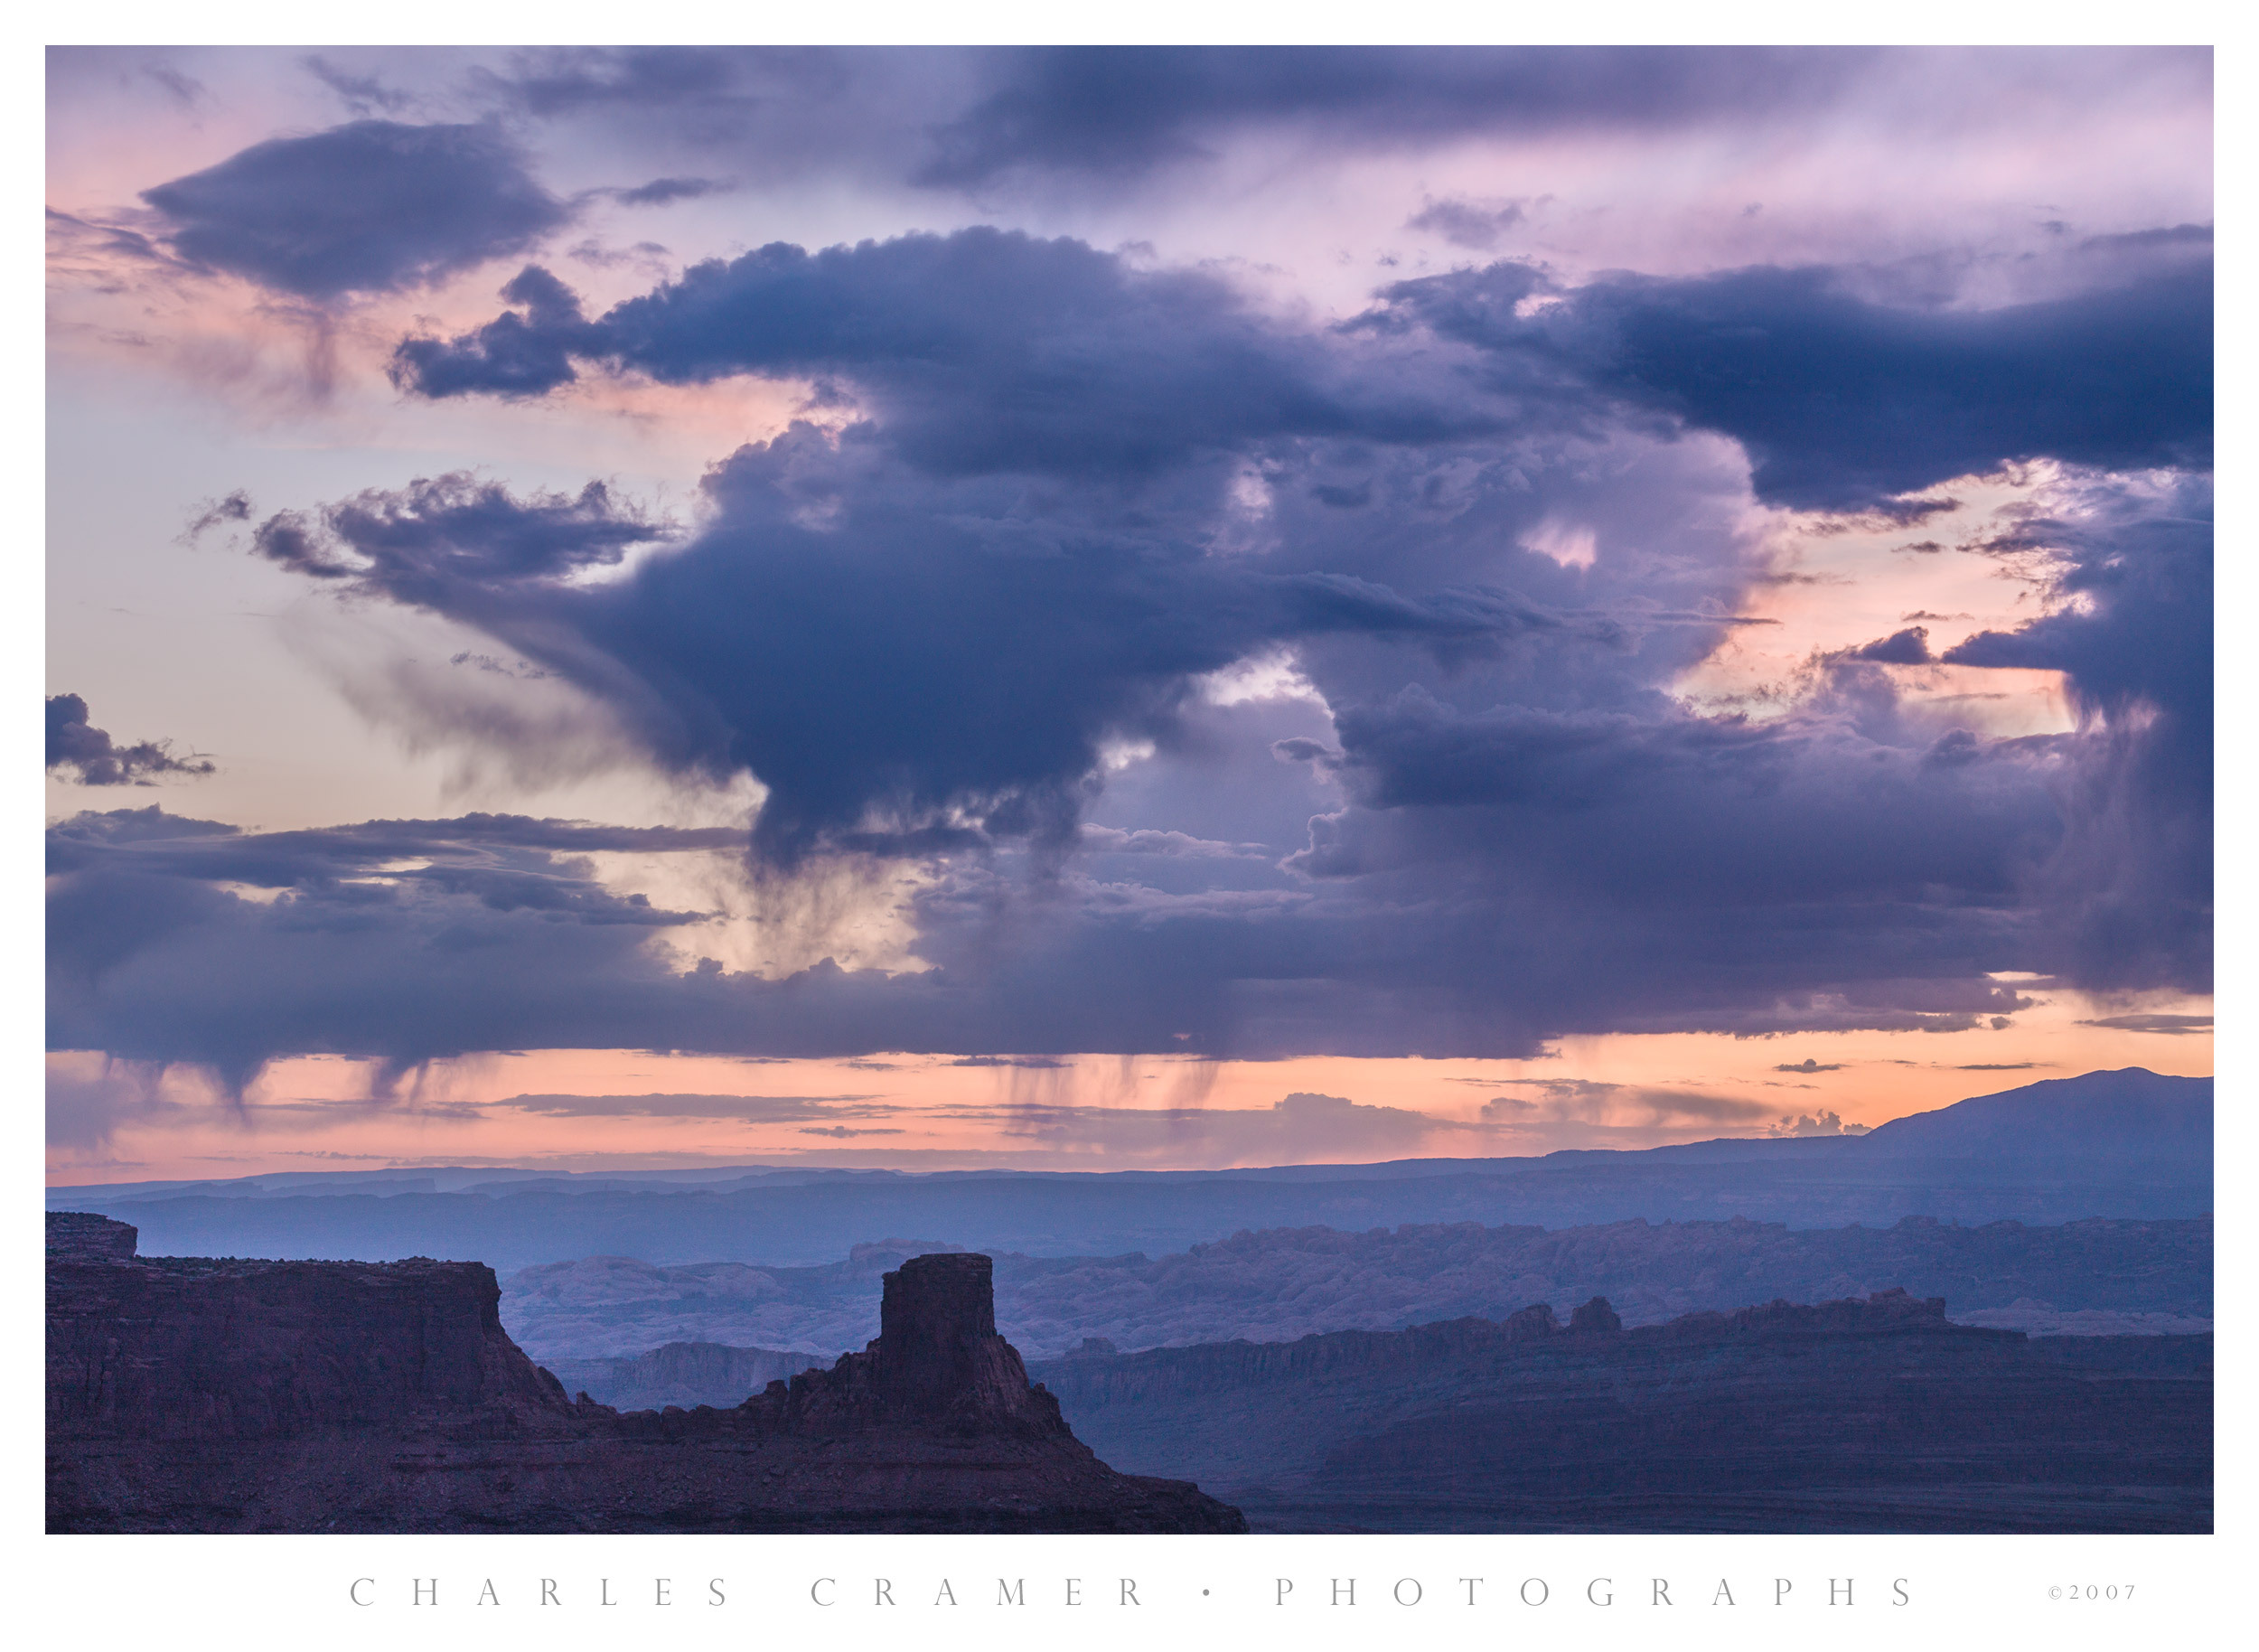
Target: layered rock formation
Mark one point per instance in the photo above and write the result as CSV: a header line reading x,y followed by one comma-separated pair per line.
x,y
78,1236
937,1365
195,1395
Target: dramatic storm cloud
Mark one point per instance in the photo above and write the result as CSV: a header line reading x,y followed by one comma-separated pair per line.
x,y
1318,646
1841,400
903,666
2132,635
1095,111
971,120
983,350
361,208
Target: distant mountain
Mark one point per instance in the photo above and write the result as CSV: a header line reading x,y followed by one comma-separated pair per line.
x,y
2132,1115
2129,1144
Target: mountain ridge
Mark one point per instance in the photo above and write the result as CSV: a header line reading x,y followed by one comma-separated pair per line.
x,y
2111,1084
2020,1172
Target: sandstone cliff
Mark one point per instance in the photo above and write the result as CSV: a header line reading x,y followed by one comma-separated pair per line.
x,y
198,1395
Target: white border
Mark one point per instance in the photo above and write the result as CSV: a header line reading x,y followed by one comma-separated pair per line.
x,y
1961,1591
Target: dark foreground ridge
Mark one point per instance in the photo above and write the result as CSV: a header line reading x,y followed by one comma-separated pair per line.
x,y
1855,1415
190,1395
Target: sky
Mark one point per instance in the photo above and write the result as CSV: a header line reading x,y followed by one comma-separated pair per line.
x,y
1115,608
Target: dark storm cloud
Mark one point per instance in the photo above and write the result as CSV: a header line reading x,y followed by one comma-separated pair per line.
x,y
2132,623
154,954
146,919
973,118
1068,490
923,655
1843,402
174,969
1669,871
984,351
987,351
78,752
437,542
1117,111
1726,846
2132,632
171,845
367,207
1668,804
987,121
907,669
981,350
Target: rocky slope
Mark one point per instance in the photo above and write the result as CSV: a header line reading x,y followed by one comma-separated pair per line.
x,y
196,1394
1874,1414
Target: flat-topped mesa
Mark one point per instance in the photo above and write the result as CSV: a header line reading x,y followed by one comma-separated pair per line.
x,y
937,1344
78,1236
213,1349
937,1361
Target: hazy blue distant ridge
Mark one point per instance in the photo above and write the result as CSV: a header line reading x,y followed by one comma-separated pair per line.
x,y
2129,1144
2131,1113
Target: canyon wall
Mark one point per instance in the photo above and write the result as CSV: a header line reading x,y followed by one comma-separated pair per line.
x,y
222,1394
